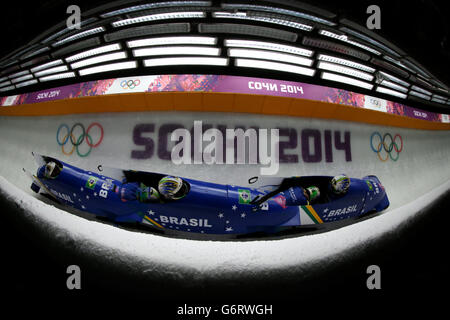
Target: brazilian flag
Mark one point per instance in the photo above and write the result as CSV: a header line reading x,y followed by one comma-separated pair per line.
x,y
244,196
91,182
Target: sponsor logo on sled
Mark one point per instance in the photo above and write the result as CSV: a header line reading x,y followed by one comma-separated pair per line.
x,y
91,182
369,185
342,211
244,196
187,222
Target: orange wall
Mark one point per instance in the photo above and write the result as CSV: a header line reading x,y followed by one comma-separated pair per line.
x,y
217,102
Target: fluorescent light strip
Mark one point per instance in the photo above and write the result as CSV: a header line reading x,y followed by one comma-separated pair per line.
x,y
346,80
186,61
159,16
244,16
439,101
394,61
435,96
393,85
26,83
269,55
47,65
418,94
3,79
18,74
7,88
157,5
346,40
421,90
67,30
5,83
109,67
261,64
22,78
336,47
391,92
99,59
181,50
392,78
268,46
94,52
58,76
277,10
171,40
345,62
345,70
50,71
79,35
370,40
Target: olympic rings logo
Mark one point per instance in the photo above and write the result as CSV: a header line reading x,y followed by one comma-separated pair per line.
x,y
76,142
130,84
386,145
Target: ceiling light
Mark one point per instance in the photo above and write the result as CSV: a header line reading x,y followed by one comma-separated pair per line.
x,y
384,75
247,29
94,52
277,10
346,80
439,100
345,70
171,40
22,78
345,62
398,63
370,40
345,39
245,16
328,45
419,95
50,71
5,83
58,76
269,55
79,36
47,65
261,64
186,61
159,16
157,5
268,46
181,50
26,83
18,74
99,59
390,67
109,67
390,92
421,90
7,88
393,85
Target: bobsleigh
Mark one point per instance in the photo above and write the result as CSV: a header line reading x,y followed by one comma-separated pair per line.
x,y
265,205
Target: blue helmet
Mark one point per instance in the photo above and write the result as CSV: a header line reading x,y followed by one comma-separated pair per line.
x,y
340,184
173,188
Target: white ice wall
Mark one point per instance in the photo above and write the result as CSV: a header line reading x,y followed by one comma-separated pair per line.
x,y
413,182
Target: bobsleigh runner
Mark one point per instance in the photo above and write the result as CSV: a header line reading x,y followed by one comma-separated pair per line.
x,y
266,205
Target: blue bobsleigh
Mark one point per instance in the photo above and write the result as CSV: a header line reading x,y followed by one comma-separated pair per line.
x,y
267,205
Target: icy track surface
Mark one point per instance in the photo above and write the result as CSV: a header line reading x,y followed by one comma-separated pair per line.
x,y
418,178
